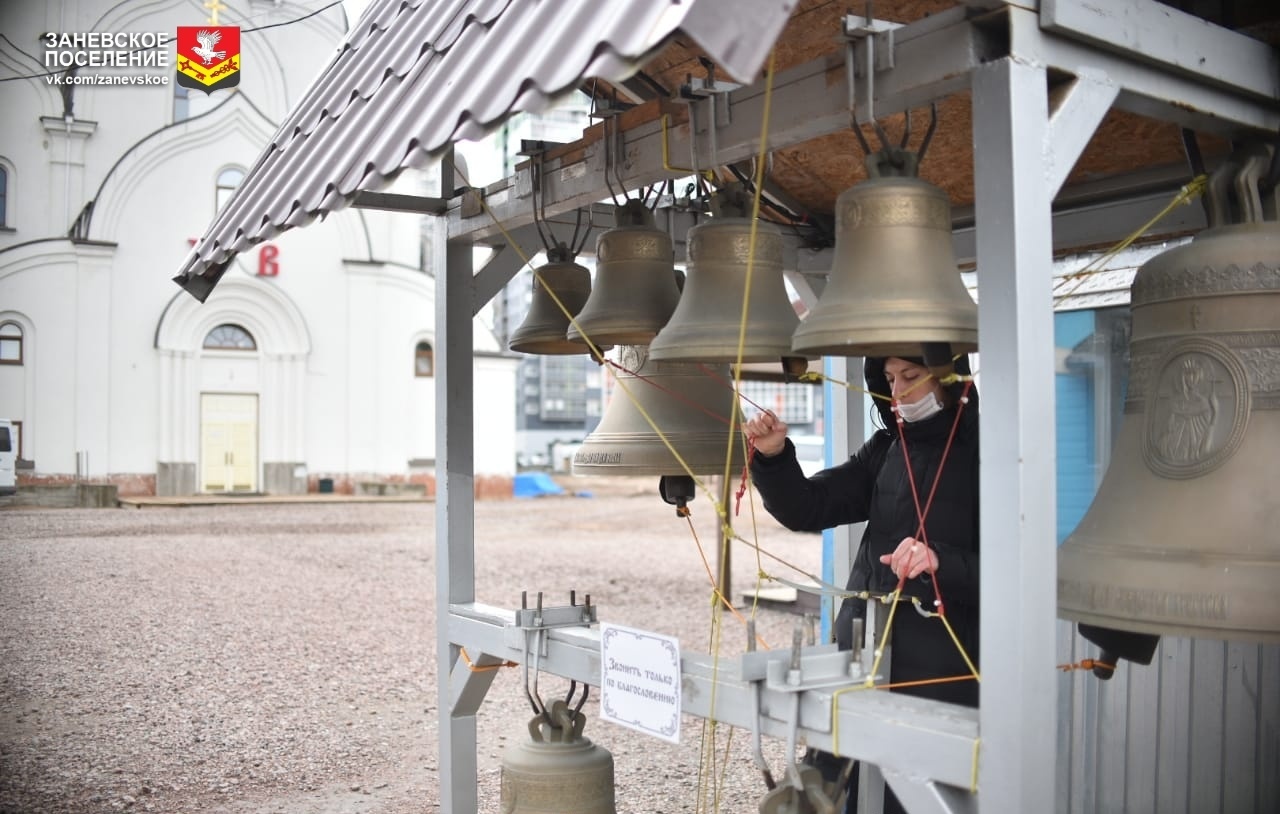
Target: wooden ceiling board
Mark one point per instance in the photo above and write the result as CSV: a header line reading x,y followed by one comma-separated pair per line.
x,y
814,174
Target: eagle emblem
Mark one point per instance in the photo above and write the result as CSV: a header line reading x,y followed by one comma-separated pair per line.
x,y
206,50
208,57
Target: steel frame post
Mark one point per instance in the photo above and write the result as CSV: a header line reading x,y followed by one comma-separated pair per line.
x,y
455,520
844,431
1015,335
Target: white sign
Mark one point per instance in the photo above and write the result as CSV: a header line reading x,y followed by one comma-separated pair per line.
x,y
640,681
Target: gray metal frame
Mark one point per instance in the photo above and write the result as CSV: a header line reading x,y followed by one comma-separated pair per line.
x,y
1026,140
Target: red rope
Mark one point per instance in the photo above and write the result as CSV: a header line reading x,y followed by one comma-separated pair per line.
x,y
746,473
921,533
713,375
670,392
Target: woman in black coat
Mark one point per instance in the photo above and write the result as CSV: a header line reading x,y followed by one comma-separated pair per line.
x,y
874,486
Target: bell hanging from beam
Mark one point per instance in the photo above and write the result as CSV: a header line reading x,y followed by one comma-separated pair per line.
x,y
894,285
690,404
635,289
557,771
1183,537
707,323
544,327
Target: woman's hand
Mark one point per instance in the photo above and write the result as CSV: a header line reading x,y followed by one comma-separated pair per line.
x,y
767,432
911,559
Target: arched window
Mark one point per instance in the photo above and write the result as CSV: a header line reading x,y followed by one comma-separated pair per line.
x,y
10,344
229,337
424,360
228,180
4,196
181,103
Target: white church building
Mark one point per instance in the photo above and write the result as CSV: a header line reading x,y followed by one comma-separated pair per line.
x,y
309,368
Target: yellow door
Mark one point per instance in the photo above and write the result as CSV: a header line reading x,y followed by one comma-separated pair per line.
x,y
228,443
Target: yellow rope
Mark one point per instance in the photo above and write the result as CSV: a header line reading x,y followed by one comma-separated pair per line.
x,y
835,714
959,646
973,777
1189,191
884,639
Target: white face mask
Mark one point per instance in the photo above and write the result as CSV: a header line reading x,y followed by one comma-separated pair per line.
x,y
926,407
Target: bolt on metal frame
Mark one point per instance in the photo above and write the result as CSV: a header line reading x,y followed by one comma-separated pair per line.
x,y
1025,142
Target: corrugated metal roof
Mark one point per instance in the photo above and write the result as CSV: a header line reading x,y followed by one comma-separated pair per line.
x,y
1092,280
413,76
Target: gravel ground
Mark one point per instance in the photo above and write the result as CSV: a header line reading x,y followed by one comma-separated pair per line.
x,y
280,658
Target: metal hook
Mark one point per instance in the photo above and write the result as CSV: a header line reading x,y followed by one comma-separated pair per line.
x,y
575,245
539,204
850,77
534,700
586,690
608,151
693,140
871,69
883,136
928,133
617,147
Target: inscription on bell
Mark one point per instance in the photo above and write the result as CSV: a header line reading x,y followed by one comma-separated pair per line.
x,y
597,458
736,248
1142,602
916,211
622,246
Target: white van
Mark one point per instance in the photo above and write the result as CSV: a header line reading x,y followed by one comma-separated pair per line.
x,y
8,457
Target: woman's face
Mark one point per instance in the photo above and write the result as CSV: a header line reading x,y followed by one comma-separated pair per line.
x,y
909,382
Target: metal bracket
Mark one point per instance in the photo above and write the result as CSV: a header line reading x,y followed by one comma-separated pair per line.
x,y
571,615
816,667
535,149
857,28
699,87
540,618
716,95
472,203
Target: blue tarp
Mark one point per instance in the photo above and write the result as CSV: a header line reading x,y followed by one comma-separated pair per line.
x,y
535,484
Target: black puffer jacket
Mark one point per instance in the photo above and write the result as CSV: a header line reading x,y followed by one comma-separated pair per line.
x,y
873,486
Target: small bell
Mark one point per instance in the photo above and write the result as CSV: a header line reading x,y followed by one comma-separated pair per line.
x,y
707,323
689,403
635,290
894,284
544,327
558,770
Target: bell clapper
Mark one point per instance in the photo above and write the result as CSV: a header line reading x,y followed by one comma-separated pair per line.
x,y
677,490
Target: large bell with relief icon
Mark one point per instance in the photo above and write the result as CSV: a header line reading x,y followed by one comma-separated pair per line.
x,y
635,289
707,325
544,327
1183,537
689,403
894,284
557,770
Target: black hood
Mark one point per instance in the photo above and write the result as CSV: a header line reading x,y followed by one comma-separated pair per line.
x,y
873,372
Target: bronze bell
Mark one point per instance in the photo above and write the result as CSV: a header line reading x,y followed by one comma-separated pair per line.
x,y
557,771
691,407
706,325
1183,537
894,284
544,327
635,290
